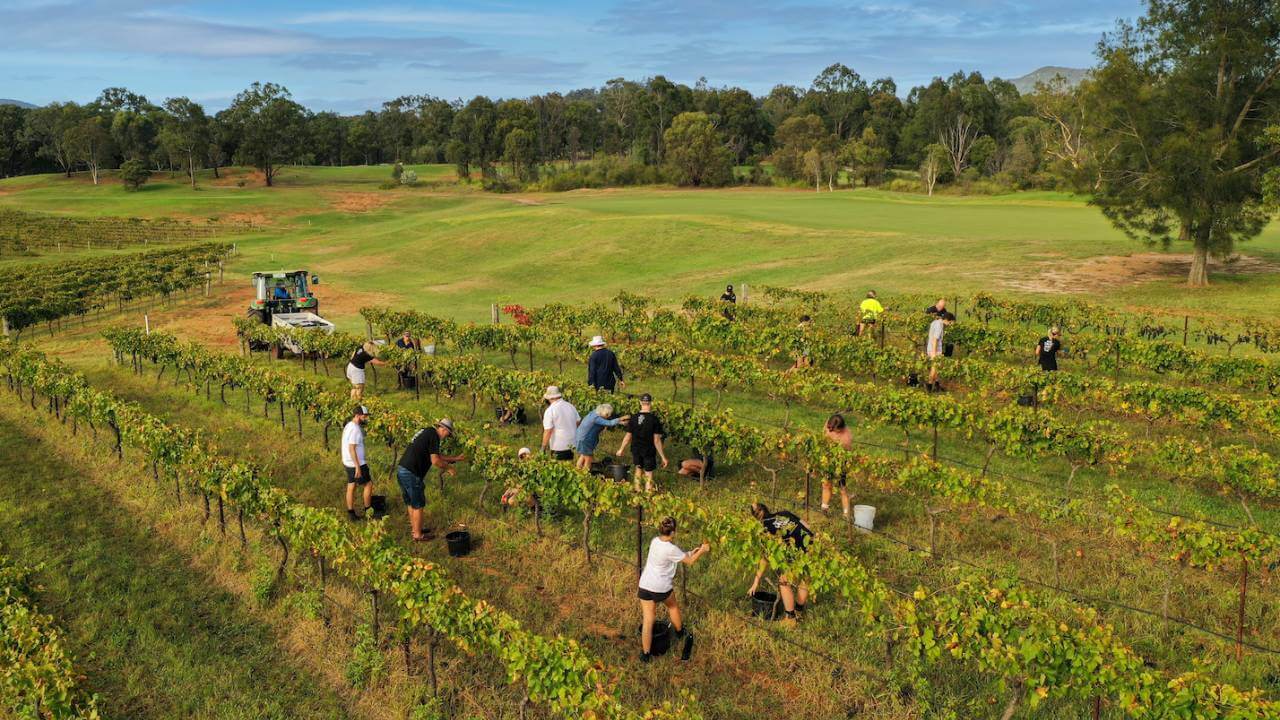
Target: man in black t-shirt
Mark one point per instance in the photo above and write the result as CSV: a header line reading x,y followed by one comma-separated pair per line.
x,y
795,533
422,453
1047,350
644,435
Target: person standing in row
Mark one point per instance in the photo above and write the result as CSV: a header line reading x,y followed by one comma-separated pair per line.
x,y
422,454
837,432
658,580
793,531
938,308
603,370
408,380
363,356
934,347
588,436
644,435
1048,348
559,424
728,296
354,461
868,313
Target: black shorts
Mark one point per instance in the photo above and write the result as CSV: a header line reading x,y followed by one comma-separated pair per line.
x,y
562,454
655,597
842,480
646,461
351,475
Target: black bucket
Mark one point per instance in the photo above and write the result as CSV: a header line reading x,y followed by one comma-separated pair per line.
x,y
459,542
764,604
661,637
617,471
1027,400
378,503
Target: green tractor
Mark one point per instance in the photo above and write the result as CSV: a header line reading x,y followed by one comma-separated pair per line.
x,y
283,292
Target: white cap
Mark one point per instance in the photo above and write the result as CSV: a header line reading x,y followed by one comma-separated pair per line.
x,y
597,341
523,451
552,393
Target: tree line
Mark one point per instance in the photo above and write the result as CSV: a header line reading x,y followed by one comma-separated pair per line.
x,y
1175,134
841,126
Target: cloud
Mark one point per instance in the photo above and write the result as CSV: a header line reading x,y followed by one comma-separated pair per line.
x,y
505,23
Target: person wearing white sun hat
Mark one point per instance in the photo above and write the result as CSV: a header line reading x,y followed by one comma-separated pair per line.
x,y
603,370
559,424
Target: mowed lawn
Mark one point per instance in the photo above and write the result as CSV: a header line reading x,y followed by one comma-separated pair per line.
x,y
455,251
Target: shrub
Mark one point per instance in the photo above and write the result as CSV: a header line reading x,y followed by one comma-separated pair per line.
x,y
367,664
409,178
903,185
133,173
397,172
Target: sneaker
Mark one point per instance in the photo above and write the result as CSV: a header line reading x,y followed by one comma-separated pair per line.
x,y
645,657
788,621
353,516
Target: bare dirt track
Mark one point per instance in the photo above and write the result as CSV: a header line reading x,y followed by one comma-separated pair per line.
x,y
1114,271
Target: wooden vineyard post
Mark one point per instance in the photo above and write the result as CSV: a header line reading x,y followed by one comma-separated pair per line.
x,y
639,540
493,313
807,484
1186,325
1244,587
744,293
146,322
935,441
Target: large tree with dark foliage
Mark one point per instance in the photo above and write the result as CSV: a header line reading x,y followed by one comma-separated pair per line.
x,y
1178,110
269,128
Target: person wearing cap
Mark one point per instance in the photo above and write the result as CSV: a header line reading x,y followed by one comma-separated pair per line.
x,y
419,457
588,436
603,370
353,460
868,313
644,435
729,299
559,424
355,368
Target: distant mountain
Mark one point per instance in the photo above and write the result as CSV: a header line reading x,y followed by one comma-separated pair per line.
x,y
1027,83
19,103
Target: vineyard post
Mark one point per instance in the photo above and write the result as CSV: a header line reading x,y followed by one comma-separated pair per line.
x,y
639,539
5,320
1117,360
373,606
1186,325
208,281
807,483
935,440
146,322
493,313
1244,587
368,330
744,293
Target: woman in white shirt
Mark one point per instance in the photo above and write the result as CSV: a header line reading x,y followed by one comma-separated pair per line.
x,y
658,579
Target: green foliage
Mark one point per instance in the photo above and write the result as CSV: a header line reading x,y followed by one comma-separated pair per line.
x,y
133,173
263,583
696,155
367,666
37,679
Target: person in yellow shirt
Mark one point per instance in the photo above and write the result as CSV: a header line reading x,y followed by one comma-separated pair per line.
x,y
870,312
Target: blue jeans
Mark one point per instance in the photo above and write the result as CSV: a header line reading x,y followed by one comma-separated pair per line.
x,y
412,489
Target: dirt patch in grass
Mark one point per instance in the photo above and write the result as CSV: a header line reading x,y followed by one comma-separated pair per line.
x,y
359,202
228,177
1113,271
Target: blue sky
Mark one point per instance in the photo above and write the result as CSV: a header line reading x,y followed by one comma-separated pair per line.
x,y
348,57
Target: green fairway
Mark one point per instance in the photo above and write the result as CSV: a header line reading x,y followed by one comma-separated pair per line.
x,y
453,250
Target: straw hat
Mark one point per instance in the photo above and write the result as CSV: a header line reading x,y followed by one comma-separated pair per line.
x,y
596,341
552,393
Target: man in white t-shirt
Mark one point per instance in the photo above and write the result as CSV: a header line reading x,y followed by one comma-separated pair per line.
x,y
559,425
934,346
353,460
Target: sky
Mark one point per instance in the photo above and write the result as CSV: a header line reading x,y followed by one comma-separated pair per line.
x,y
349,57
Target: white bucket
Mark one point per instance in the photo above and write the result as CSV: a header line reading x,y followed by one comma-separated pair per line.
x,y
864,516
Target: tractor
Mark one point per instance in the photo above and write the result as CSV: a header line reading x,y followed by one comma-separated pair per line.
x,y
283,299
282,292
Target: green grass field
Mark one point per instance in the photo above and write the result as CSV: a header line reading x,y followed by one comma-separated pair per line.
x,y
458,251
153,601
